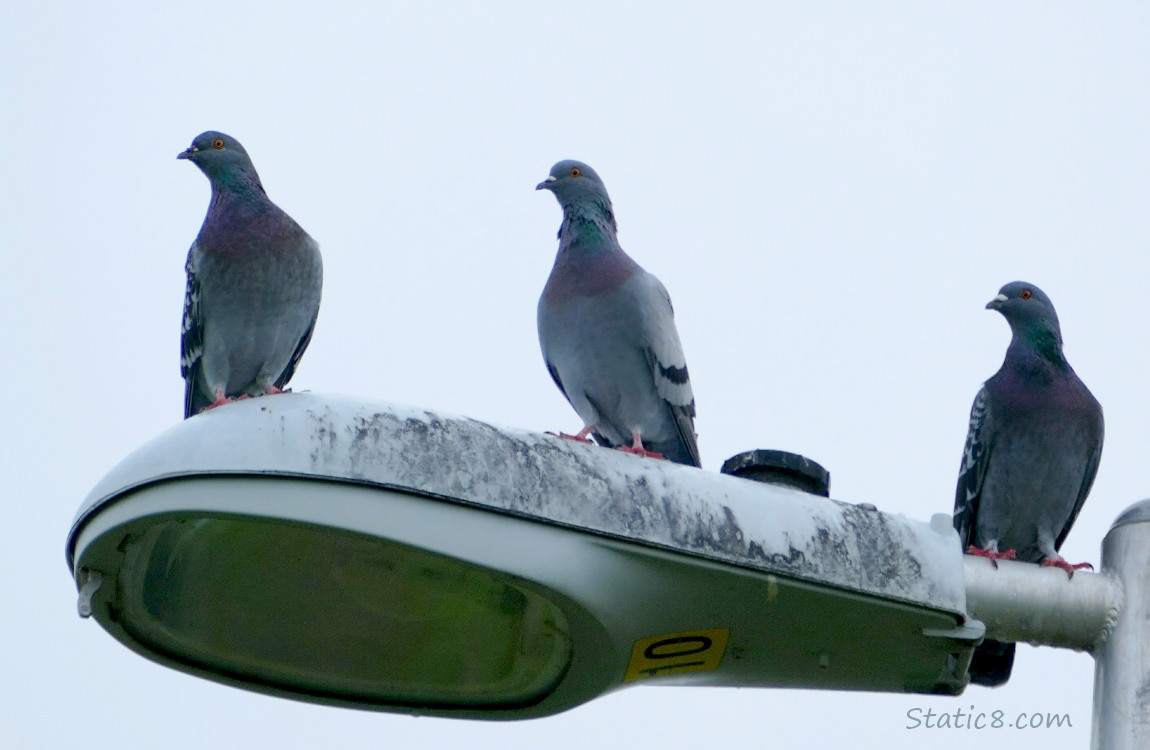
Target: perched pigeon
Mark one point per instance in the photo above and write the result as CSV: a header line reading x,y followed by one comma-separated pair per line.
x,y
254,279
608,332
1031,454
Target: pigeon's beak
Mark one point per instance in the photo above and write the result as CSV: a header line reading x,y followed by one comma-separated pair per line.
x,y
187,153
546,184
996,303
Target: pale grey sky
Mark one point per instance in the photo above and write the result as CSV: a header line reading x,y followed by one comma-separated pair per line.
x,y
830,192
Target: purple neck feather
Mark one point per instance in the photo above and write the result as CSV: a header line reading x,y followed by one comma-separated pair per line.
x,y
590,260
240,217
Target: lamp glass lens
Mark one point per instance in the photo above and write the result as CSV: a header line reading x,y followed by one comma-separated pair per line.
x,y
332,614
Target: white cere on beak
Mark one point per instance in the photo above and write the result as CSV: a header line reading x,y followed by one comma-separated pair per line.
x,y
1000,298
550,178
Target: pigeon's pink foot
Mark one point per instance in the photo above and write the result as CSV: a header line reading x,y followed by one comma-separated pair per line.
x,y
993,555
636,448
1058,562
581,437
221,399
640,451
271,390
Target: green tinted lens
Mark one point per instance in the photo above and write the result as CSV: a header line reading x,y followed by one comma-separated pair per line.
x,y
253,598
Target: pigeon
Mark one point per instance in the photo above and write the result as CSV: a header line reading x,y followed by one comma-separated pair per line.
x,y
254,282
1031,454
607,331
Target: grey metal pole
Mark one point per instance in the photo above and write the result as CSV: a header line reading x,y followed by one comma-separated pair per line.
x,y
1022,602
1122,654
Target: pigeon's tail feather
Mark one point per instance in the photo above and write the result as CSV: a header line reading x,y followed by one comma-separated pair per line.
x,y
675,450
687,444
992,663
194,399
601,440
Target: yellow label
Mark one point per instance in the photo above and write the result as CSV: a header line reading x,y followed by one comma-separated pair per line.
x,y
675,653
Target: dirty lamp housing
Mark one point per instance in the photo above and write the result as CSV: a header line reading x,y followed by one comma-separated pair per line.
x,y
380,557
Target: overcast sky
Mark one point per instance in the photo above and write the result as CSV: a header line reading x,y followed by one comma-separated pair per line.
x,y
830,192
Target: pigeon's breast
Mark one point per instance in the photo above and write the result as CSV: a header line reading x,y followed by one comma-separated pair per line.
x,y
1045,444
579,275
594,343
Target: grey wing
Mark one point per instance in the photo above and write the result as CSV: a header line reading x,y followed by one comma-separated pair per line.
x,y
191,341
972,471
1089,472
599,437
555,377
296,355
311,297
544,341
669,367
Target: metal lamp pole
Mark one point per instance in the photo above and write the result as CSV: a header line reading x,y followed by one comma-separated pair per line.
x,y
1122,661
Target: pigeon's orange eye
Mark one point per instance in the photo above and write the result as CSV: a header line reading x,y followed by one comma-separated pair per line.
x,y
1026,294
575,171
218,143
